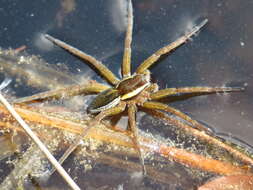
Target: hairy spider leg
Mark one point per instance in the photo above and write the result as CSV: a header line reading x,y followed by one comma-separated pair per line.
x,y
165,50
163,107
132,109
91,87
126,63
213,140
191,90
96,65
95,121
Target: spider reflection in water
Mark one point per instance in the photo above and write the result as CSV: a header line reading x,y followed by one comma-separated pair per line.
x,y
132,91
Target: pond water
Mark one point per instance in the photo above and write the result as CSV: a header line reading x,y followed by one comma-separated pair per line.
x,y
219,55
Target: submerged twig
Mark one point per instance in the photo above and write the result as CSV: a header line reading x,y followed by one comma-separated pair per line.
x,y
148,144
203,136
42,147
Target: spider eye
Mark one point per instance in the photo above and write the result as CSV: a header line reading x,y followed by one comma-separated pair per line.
x,y
104,100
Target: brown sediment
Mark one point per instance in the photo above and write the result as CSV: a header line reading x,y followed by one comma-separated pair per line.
x,y
236,182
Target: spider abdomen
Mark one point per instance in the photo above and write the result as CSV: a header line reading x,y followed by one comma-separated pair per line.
x,y
104,100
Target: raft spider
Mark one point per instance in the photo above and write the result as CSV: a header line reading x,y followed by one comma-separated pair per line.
x,y
133,90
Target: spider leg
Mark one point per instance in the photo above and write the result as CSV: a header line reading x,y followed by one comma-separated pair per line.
x,y
126,64
198,134
132,109
91,88
191,90
160,106
165,50
102,69
109,112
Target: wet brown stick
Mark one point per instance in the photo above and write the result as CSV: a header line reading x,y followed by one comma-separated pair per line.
x,y
148,144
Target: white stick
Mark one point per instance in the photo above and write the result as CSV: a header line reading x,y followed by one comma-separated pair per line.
x,y
43,148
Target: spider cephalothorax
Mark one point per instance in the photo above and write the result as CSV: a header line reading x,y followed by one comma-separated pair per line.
x,y
133,90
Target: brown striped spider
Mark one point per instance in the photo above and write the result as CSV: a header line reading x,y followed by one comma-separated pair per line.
x,y
133,90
